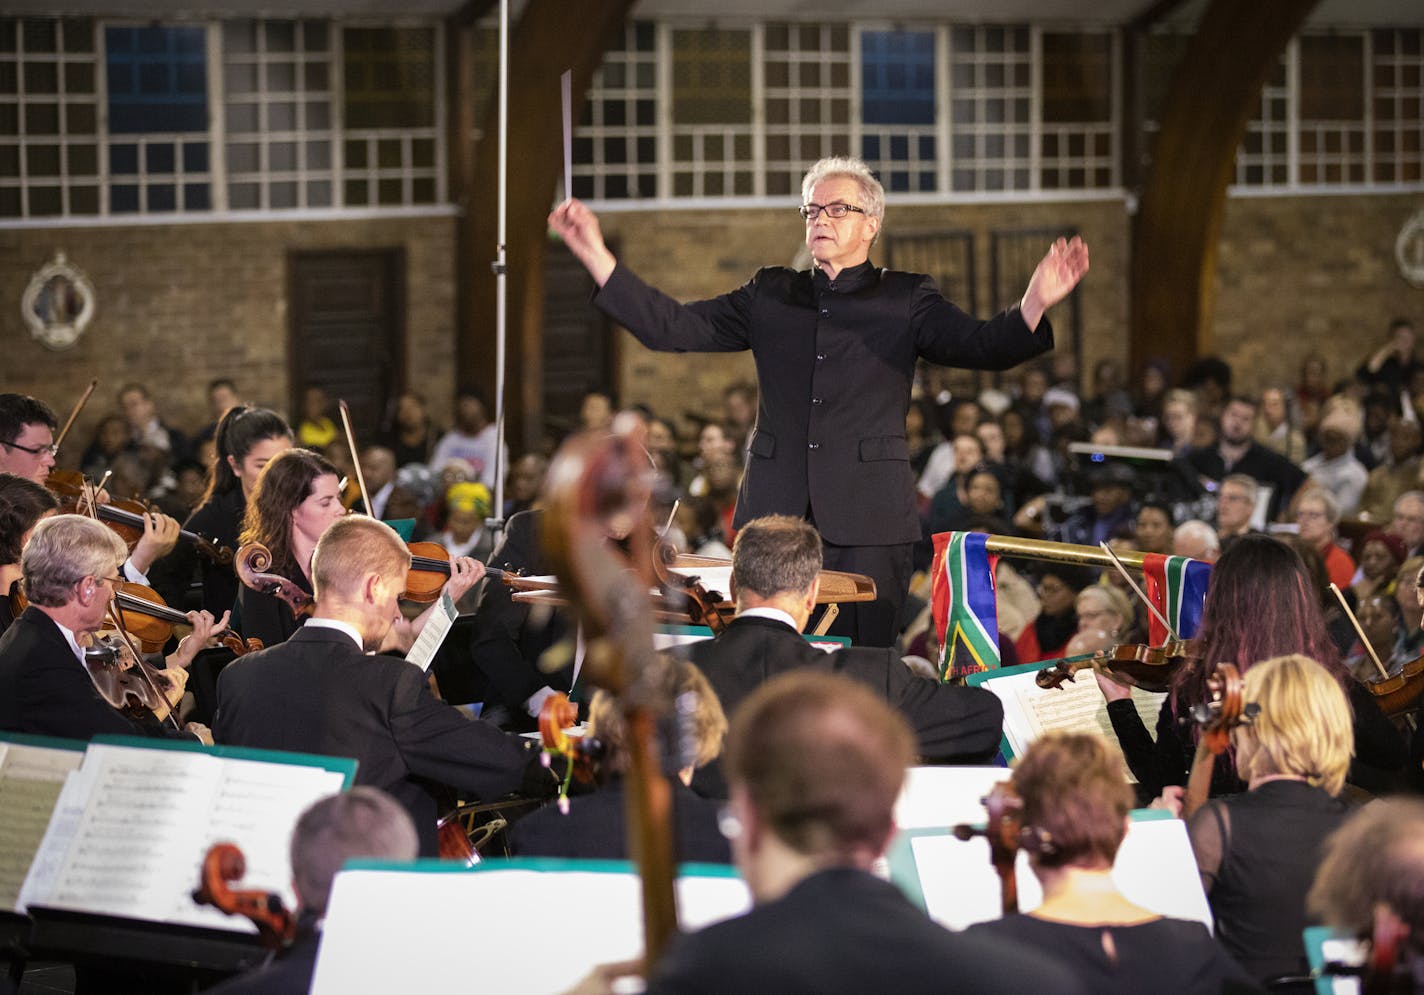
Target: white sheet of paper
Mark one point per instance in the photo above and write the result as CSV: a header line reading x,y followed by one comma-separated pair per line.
x,y
31,780
146,820
490,922
1078,706
433,634
941,797
1155,868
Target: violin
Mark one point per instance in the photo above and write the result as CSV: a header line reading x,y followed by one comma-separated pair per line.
x,y
251,563
126,680
147,616
126,518
703,606
224,862
1397,694
1004,831
583,753
1221,713
430,569
1135,665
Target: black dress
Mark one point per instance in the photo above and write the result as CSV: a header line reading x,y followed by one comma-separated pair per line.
x,y
1259,851
1162,956
219,519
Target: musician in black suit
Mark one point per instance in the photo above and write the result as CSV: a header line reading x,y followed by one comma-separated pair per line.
x,y
362,822
775,579
835,349
70,569
320,691
816,763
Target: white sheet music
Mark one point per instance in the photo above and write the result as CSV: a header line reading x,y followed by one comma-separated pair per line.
x,y
146,820
1155,868
31,779
486,922
1078,706
433,633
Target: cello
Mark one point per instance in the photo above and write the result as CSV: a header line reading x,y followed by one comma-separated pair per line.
x,y
591,480
1221,713
1004,831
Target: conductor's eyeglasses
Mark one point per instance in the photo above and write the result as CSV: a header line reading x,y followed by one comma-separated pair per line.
x,y
837,211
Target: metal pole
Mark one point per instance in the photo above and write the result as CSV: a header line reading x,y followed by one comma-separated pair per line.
x,y
500,267
1061,552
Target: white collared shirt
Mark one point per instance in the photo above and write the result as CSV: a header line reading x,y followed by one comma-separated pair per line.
x,y
767,611
339,626
71,640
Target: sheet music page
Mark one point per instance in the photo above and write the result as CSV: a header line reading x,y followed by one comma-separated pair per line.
x,y
152,814
717,579
433,634
1078,706
31,779
1155,868
54,848
511,956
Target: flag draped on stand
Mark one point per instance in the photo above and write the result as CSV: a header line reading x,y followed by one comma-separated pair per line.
x,y
964,604
1177,587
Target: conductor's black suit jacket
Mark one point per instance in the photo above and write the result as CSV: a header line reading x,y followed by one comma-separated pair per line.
x,y
318,693
835,361
950,722
45,690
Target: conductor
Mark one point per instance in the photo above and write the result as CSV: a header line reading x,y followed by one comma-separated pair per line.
x,y
835,349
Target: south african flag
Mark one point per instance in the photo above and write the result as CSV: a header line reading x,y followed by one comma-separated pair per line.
x,y
1177,586
964,605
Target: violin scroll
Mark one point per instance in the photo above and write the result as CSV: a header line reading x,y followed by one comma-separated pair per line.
x,y
276,926
251,563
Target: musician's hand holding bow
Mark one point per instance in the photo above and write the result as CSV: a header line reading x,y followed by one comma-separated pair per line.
x,y
202,732
206,631
1057,274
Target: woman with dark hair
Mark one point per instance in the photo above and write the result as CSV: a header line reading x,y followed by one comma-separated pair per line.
x,y
410,433
1261,604
1047,636
246,440
22,504
296,497
1075,811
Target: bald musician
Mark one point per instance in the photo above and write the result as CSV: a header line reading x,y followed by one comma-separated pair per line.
x,y
816,762
70,571
321,691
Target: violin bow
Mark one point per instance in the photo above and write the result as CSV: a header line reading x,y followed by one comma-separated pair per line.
x,y
73,414
1359,631
1171,632
355,457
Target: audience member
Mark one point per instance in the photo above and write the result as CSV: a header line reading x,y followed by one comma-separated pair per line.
x,y
1196,539
1237,452
472,439
1399,472
1046,638
1336,468
1317,513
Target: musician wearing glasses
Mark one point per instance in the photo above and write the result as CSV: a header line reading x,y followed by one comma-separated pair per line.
x,y
27,449
835,348
70,572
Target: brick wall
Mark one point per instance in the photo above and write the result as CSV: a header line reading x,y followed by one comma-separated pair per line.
x,y
179,305
1309,274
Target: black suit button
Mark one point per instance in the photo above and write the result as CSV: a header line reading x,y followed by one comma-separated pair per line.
x,y
820,356
813,445
815,400
825,312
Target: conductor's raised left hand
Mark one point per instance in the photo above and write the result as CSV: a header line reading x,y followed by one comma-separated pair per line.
x,y
1054,278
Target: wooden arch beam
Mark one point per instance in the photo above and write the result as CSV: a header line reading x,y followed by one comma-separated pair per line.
x,y
550,37
1178,224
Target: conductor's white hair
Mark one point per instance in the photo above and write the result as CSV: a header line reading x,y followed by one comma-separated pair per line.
x,y
872,194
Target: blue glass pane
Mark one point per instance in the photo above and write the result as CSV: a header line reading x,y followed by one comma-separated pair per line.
x,y
157,79
123,198
897,77
870,147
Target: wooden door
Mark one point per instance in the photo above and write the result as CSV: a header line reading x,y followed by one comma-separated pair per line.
x,y
347,330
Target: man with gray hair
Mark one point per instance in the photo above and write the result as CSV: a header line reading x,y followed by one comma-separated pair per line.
x,y
1196,539
835,348
1235,503
776,565
70,570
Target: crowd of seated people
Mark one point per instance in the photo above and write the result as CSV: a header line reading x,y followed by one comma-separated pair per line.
x,y
1000,463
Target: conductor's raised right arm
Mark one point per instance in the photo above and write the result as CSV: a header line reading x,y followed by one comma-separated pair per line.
x,y
578,227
